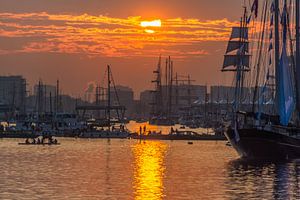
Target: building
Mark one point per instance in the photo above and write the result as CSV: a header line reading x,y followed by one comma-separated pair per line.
x,y
146,98
182,96
123,96
13,92
47,90
189,94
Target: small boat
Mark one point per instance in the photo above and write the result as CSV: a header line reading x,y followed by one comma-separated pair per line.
x,y
43,140
190,143
43,144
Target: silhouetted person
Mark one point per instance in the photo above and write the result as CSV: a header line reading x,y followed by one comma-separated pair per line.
x,y
172,130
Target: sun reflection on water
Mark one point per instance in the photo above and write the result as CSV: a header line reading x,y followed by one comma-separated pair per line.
x,y
149,169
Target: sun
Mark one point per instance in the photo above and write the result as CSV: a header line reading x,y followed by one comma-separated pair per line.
x,y
149,24
154,23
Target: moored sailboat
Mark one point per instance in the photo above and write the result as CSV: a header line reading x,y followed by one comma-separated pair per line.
x,y
107,128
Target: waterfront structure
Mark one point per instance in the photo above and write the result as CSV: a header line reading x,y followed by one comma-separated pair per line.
x,y
123,95
47,89
13,92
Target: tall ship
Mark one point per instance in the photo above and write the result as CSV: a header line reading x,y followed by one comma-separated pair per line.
x,y
172,97
264,53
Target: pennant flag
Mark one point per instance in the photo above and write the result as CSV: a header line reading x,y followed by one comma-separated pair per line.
x,y
270,46
272,20
249,19
272,9
255,8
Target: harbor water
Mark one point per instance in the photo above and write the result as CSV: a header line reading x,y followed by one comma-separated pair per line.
x,y
130,169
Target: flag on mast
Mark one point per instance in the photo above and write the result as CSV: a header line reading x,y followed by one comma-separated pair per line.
x,y
254,8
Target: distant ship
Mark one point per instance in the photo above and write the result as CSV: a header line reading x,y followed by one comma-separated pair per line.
x,y
269,130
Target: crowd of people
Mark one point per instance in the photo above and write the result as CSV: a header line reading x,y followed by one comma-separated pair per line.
x,y
43,140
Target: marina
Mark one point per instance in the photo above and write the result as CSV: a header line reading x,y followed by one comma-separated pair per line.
x,y
150,100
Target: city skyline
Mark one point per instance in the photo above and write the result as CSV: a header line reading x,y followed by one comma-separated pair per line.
x,y
75,41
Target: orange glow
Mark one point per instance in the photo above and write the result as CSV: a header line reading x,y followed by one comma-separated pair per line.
x,y
95,36
149,31
154,23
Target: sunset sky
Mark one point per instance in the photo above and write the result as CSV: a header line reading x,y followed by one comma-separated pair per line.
x,y
74,40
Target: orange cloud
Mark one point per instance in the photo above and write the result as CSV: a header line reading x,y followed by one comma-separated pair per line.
x,y
108,36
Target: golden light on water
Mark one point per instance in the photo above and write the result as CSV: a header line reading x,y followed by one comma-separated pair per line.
x,y
135,127
154,23
149,170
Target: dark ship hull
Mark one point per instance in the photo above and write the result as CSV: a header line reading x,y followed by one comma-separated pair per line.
x,y
261,144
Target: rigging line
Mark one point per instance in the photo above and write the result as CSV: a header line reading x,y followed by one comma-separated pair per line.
x,y
264,59
291,43
260,46
255,35
260,36
271,68
117,96
104,77
249,3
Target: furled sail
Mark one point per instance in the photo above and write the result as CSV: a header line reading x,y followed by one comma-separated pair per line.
x,y
239,32
286,93
237,49
235,45
234,60
286,101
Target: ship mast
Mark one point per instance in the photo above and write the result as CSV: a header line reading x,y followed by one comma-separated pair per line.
x,y
277,53
297,4
239,67
108,95
236,59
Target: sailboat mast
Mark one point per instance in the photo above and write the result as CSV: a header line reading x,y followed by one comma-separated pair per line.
x,y
276,4
108,95
238,78
297,4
